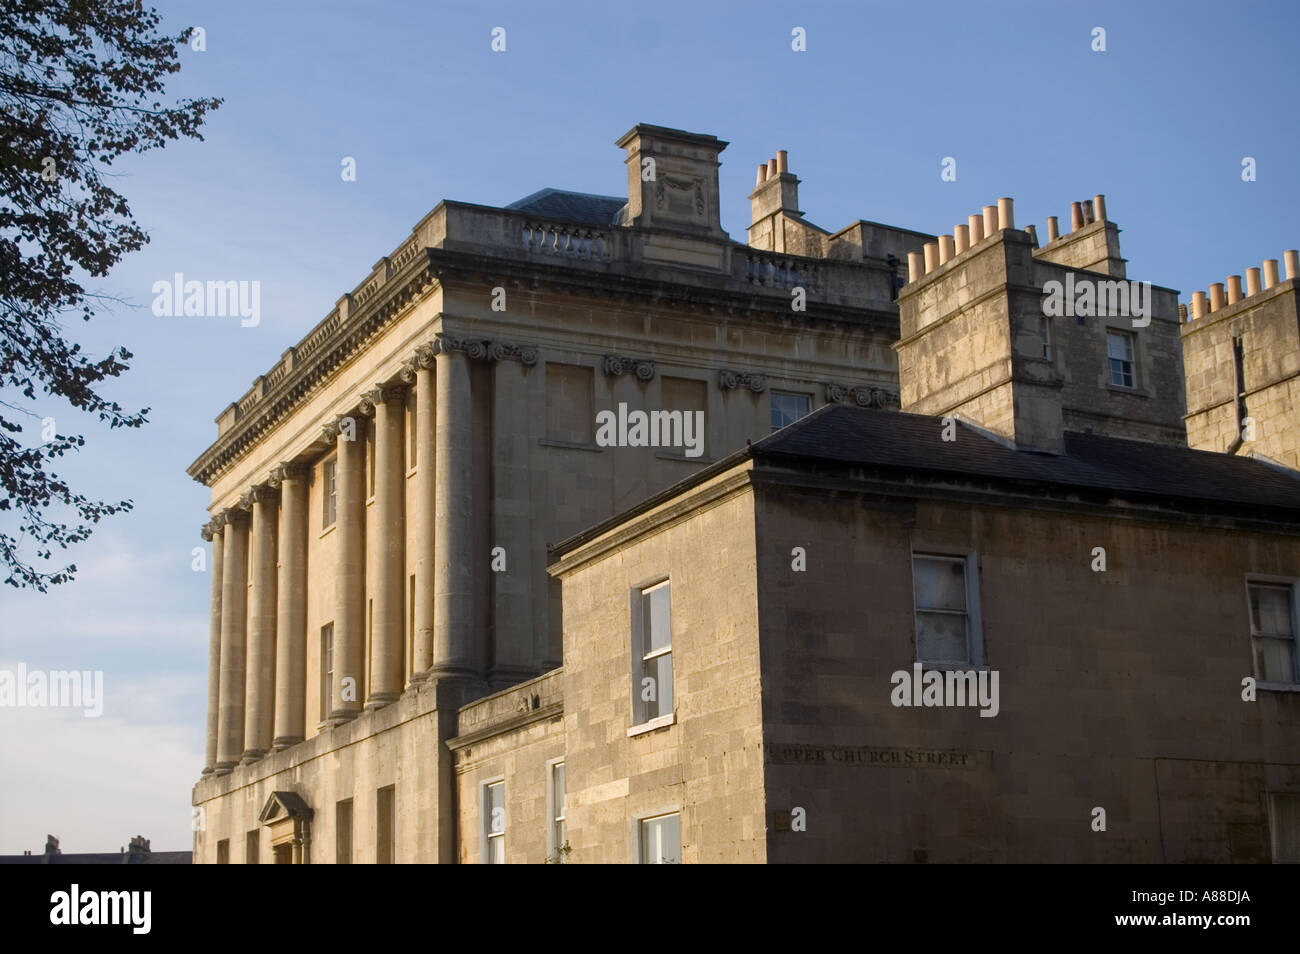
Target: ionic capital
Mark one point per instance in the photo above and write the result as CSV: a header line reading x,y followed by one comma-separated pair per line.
x,y
643,368
289,470
263,493
472,348
728,379
386,394
862,395
500,351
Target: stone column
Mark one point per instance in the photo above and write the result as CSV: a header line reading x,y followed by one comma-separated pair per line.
x,y
426,470
291,609
390,546
512,588
234,609
453,604
212,533
259,709
350,576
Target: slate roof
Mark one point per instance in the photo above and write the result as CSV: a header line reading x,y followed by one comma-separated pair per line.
x,y
897,444
571,206
897,440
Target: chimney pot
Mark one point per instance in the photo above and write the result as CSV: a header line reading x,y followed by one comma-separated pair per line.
x,y
1252,282
1198,305
1216,296
931,250
1006,213
1234,289
961,238
915,266
771,168
1291,258
1087,212
975,225
1053,228
782,161
1099,206
1270,273
1076,216
1032,232
762,174
990,220
945,249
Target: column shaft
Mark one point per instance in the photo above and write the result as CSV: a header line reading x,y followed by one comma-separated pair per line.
x,y
350,582
426,470
291,611
260,705
214,534
453,617
234,609
390,547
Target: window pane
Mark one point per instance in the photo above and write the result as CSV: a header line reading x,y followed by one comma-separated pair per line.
x,y
941,637
661,840
497,851
788,408
1275,663
558,776
1119,346
658,626
496,796
1270,609
661,670
940,583
1121,373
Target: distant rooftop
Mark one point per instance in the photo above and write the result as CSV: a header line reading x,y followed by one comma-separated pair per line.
x,y
573,206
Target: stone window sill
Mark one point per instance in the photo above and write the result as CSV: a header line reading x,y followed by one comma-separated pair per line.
x,y
659,723
1134,392
1278,686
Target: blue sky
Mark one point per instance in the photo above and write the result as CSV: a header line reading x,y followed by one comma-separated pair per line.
x,y
1159,122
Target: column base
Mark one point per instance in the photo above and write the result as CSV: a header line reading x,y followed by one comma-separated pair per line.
x,y
451,671
284,742
223,768
207,771
252,755
417,679
378,700
338,718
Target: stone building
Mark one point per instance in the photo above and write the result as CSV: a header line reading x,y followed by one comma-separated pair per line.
x,y
386,641
1242,352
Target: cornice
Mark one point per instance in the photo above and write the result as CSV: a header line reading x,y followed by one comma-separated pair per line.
x,y
343,335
